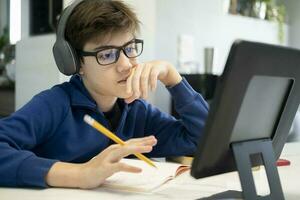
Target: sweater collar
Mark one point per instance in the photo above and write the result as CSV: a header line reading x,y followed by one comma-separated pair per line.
x,y
79,94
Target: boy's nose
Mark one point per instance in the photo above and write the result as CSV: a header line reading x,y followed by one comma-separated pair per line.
x,y
123,63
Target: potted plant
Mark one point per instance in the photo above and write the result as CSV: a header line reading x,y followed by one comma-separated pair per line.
x,y
7,62
277,12
4,40
263,9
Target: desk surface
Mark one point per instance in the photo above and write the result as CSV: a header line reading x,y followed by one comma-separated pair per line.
x,y
183,187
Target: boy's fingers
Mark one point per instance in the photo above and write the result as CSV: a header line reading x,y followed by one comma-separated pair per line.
x,y
130,99
150,140
150,137
130,88
153,78
142,143
127,150
129,82
136,81
145,81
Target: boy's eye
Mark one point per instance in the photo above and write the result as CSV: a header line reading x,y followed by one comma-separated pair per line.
x,y
107,55
131,50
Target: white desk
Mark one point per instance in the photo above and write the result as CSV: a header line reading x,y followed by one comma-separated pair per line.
x,y
183,187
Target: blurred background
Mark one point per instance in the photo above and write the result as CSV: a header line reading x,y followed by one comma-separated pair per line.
x,y
195,35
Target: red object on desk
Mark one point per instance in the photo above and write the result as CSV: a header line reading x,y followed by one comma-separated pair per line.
x,y
282,162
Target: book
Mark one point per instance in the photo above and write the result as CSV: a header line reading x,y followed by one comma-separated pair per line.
x,y
185,160
146,181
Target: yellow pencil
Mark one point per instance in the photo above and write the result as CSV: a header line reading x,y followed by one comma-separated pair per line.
x,y
89,120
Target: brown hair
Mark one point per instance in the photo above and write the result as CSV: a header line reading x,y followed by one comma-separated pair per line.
x,y
94,19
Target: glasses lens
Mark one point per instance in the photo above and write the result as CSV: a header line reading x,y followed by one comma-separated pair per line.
x,y
134,49
107,56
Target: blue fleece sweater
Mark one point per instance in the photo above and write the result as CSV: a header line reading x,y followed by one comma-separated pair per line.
x,y
50,128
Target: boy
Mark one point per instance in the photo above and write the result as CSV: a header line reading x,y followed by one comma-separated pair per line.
x,y
46,143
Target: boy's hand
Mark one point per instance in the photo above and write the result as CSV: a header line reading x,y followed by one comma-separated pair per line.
x,y
104,165
94,172
145,76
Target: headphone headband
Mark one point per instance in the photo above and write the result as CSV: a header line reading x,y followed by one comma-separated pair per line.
x,y
62,23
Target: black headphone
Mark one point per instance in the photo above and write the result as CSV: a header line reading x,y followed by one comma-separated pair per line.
x,y
65,55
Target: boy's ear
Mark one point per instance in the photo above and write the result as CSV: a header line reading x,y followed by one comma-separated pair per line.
x,y
81,71
81,65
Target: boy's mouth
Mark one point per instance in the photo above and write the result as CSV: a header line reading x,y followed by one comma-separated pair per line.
x,y
123,80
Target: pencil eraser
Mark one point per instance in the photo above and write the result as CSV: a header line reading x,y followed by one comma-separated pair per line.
x,y
282,162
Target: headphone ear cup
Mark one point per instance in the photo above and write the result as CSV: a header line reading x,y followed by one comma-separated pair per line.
x,y
65,57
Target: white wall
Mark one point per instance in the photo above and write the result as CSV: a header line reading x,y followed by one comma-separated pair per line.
x,y
293,9
210,25
35,66
24,19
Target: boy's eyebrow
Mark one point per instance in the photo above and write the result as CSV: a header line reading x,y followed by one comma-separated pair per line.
x,y
104,47
112,46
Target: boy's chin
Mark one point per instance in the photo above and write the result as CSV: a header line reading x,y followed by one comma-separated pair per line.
x,y
125,96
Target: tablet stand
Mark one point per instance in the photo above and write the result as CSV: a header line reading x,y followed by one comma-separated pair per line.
x,y
242,152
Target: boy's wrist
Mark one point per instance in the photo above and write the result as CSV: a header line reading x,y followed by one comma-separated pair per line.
x,y
172,78
65,175
79,176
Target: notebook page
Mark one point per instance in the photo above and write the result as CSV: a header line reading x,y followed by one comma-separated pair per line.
x,y
149,179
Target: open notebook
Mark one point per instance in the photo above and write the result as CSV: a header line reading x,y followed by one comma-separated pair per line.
x,y
149,179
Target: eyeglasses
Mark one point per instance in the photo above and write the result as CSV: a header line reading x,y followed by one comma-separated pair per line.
x,y
110,54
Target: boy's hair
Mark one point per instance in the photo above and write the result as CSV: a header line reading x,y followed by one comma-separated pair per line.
x,y
95,19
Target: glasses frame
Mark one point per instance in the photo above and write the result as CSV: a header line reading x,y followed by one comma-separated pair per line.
x,y
119,49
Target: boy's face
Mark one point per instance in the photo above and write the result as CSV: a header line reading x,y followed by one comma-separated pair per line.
x,y
107,80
